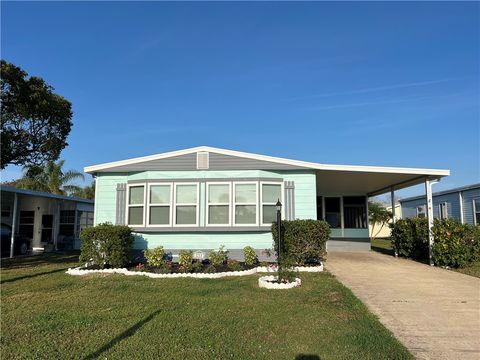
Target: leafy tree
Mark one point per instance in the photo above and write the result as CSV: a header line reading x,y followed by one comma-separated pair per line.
x,y
87,192
35,122
377,214
50,178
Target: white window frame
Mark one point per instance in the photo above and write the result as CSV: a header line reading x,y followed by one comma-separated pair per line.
x,y
128,205
229,204
235,183
197,205
424,210
444,203
282,196
475,211
170,204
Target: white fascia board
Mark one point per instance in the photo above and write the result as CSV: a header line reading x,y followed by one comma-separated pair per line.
x,y
307,165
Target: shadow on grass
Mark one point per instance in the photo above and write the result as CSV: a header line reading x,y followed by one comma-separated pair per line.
x,y
307,357
38,260
32,275
127,333
383,250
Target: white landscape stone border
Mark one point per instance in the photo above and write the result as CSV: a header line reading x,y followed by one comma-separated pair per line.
x,y
260,269
268,282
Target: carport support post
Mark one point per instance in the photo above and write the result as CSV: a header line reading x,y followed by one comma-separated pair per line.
x,y
392,199
14,223
428,190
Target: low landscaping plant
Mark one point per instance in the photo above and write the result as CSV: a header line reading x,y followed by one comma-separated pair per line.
x,y
155,257
250,256
286,272
106,245
218,257
185,259
303,241
234,265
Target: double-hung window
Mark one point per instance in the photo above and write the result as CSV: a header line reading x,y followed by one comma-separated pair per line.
x,y
135,204
218,204
159,204
186,204
245,203
422,211
270,194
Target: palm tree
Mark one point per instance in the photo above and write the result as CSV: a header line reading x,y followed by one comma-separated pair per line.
x,y
50,178
87,192
377,214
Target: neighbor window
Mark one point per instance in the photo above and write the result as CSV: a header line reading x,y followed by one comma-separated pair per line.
x,y
354,212
67,223
186,204
245,200
218,204
443,211
271,193
26,221
85,220
332,212
159,204
421,211
476,211
136,200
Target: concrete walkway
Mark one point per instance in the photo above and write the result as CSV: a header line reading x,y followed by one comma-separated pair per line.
x,y
434,312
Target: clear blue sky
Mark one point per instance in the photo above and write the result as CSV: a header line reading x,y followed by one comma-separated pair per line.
x,y
394,84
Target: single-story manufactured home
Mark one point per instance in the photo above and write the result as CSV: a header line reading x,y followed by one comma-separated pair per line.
x,y
205,197
50,222
462,203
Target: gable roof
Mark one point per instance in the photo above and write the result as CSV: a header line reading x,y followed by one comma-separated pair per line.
x,y
269,162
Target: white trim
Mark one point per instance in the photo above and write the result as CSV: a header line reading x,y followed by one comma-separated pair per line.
x,y
229,204
235,183
282,199
197,205
128,205
460,200
170,205
307,165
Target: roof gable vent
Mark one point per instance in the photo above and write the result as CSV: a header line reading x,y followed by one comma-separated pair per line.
x,y
202,160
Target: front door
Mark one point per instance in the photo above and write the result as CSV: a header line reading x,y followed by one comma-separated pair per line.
x,y
47,228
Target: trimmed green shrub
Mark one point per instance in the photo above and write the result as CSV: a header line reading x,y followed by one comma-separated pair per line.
x,y
249,255
410,238
197,267
303,241
106,244
218,257
185,259
155,257
456,244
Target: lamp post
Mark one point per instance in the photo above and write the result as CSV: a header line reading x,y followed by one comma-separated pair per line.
x,y
278,205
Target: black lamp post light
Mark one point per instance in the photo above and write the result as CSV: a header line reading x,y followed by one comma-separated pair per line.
x,y
278,205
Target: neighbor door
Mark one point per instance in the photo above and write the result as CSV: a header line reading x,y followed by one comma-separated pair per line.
x,y
47,228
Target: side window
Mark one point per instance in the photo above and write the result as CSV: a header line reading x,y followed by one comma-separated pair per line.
x,y
245,203
136,200
271,193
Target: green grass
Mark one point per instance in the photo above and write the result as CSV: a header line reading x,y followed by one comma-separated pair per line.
x,y
48,314
472,270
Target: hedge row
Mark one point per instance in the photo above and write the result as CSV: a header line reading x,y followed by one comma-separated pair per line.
x,y
455,244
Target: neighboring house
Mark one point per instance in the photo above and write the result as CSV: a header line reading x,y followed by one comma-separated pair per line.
x,y
461,203
203,197
383,232
52,222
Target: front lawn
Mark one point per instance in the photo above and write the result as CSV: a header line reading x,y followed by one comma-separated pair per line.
x,y
49,314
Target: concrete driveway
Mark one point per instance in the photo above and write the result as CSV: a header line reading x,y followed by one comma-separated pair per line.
x,y
434,312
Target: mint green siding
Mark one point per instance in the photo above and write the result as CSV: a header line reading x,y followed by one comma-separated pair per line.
x,y
105,207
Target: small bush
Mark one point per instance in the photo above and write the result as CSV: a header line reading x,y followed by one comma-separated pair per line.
x,y
106,244
234,265
250,256
286,272
218,257
185,259
210,269
197,267
410,238
155,257
303,241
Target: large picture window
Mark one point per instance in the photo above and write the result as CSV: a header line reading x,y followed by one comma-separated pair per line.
x,y
135,207
354,212
159,204
245,203
271,193
218,204
186,204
